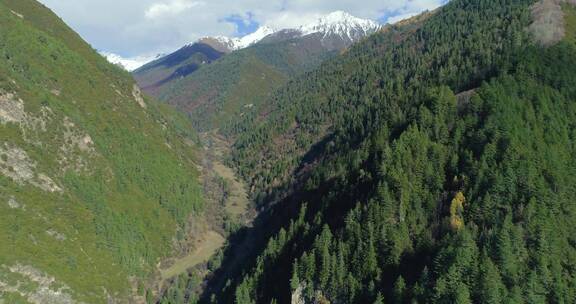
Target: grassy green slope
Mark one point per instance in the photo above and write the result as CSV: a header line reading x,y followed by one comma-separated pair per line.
x,y
121,169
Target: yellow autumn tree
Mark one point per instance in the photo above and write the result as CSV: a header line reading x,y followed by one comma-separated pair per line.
x,y
456,211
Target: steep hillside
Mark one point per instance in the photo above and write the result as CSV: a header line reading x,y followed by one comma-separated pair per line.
x,y
435,169
365,87
238,83
179,64
95,180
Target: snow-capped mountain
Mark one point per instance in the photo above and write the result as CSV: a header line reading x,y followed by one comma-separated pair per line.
x,y
338,29
341,24
226,44
335,31
306,44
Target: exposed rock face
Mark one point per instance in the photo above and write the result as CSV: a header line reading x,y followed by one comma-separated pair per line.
x,y
138,96
34,285
548,26
13,204
75,141
11,109
33,128
17,14
57,235
298,296
15,164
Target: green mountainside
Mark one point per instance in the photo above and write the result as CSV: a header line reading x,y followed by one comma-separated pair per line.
x,y
187,60
432,163
95,180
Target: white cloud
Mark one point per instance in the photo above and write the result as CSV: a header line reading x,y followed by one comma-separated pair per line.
x,y
398,18
289,19
174,7
131,28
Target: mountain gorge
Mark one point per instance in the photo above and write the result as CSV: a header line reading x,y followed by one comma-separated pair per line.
x,y
428,161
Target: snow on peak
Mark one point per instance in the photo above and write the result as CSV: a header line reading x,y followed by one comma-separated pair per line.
x,y
233,44
342,24
338,23
255,37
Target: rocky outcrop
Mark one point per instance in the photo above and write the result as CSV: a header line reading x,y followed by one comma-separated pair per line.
x,y
548,26
34,285
77,150
17,165
138,96
298,296
14,204
11,109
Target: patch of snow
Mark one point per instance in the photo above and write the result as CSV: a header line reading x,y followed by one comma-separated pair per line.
x,y
234,44
341,24
129,64
255,37
337,23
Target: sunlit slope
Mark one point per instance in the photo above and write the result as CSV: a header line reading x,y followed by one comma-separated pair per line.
x,y
95,180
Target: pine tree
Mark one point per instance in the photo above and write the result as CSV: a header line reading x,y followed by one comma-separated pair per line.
x,y
490,288
399,289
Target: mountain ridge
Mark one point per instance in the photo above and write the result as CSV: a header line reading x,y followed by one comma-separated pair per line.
x,y
335,24
214,92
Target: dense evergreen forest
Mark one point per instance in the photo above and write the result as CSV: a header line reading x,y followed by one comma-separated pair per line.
x,y
432,163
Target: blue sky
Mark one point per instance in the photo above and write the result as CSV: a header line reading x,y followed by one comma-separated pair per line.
x,y
143,28
244,25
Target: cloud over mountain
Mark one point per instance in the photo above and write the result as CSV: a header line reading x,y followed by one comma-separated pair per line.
x,y
132,28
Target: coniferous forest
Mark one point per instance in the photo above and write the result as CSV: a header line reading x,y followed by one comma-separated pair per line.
x,y
433,161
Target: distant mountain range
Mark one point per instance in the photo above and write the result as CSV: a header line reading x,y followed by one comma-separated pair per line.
x,y
213,89
338,26
338,29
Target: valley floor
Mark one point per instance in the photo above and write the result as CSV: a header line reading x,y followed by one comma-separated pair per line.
x,y
223,189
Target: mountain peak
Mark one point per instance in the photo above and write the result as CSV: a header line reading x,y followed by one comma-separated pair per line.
x,y
255,37
338,24
227,44
342,24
